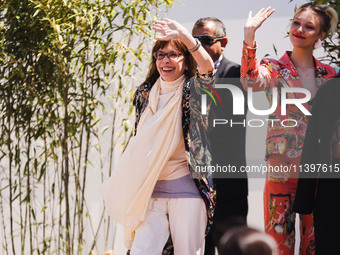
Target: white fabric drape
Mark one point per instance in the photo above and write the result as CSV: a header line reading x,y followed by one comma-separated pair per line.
x,y
128,191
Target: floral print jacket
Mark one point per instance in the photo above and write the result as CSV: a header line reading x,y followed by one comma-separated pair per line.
x,y
281,139
195,135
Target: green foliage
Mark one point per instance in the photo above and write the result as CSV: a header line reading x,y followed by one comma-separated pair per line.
x,y
60,60
332,44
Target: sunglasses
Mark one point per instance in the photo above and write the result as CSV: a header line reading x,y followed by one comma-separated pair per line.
x,y
207,39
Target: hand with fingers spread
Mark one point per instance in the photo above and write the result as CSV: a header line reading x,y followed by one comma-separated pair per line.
x,y
253,23
169,29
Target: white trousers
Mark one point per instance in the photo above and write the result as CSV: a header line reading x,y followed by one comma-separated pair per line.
x,y
184,218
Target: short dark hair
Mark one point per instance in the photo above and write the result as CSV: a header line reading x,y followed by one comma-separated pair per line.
x,y
220,30
243,240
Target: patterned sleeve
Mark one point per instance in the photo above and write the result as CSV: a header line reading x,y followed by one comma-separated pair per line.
x,y
253,73
199,153
140,101
204,79
202,83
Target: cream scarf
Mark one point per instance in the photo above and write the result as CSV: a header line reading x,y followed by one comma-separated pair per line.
x,y
128,191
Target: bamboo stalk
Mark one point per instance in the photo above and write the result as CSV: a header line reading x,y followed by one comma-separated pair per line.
x,y
28,189
10,177
60,212
3,220
45,198
82,188
88,136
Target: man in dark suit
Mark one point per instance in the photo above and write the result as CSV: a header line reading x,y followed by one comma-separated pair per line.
x,y
227,141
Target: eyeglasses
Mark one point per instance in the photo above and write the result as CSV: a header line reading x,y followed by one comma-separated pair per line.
x,y
171,55
207,39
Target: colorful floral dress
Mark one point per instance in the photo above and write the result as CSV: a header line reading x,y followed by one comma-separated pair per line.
x,y
284,142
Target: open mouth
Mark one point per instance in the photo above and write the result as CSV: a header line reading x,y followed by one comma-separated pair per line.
x,y
167,69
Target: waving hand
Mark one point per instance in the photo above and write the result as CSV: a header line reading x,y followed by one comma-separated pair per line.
x,y
253,23
169,29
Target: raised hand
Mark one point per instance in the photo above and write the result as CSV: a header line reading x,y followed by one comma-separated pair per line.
x,y
256,21
169,29
253,23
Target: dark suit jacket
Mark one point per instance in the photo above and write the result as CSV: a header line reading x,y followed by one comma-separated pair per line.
x,y
228,69
228,146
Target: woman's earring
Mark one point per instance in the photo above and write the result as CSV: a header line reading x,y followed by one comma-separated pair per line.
x,y
317,44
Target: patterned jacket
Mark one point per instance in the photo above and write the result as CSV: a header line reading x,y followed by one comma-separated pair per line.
x,y
195,133
269,74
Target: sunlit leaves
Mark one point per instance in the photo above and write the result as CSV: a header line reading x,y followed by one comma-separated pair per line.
x,y
60,60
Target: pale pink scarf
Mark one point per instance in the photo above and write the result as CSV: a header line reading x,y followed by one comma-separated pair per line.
x,y
128,191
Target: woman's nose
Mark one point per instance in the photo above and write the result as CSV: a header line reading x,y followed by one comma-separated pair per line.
x,y
300,29
166,59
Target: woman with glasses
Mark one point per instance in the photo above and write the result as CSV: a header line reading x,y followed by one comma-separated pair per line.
x,y
151,191
296,69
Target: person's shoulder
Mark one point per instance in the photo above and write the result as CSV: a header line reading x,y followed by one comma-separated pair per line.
x,y
274,64
331,86
144,87
229,62
326,71
141,93
143,90
272,60
228,69
329,91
